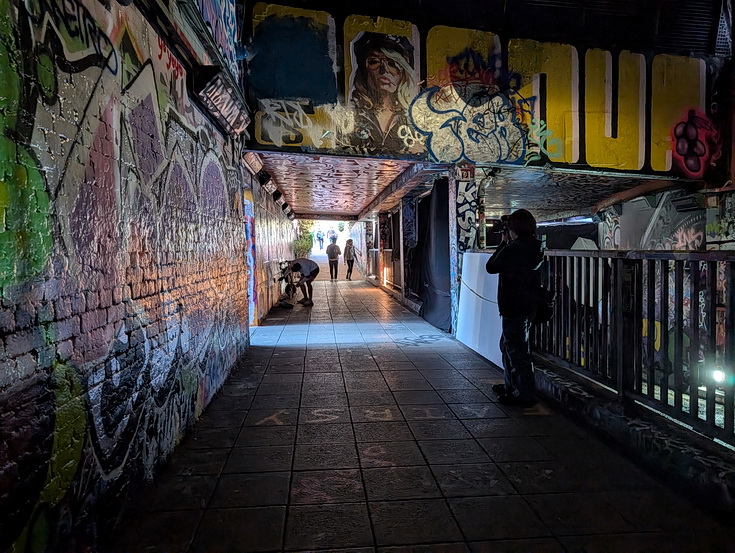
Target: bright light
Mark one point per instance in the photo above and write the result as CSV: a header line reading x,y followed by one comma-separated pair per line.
x,y
719,376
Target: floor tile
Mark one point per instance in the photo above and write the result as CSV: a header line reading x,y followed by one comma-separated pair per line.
x,y
540,545
327,486
413,522
189,462
286,401
370,398
320,415
248,529
438,430
251,490
389,454
382,431
212,438
443,452
472,480
431,548
259,459
417,397
500,517
168,531
427,412
277,416
578,513
266,435
324,433
177,493
514,449
323,399
463,396
339,525
325,456
477,411
391,483
376,413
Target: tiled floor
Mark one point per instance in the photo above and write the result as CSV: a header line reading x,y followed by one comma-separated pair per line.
x,y
358,427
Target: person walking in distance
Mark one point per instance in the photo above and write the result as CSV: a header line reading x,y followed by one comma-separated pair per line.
x,y
349,257
309,270
320,238
517,261
333,253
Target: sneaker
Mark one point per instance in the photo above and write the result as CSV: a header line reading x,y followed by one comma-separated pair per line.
x,y
500,389
307,303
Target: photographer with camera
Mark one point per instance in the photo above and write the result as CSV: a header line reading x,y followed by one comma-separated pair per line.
x,y
517,261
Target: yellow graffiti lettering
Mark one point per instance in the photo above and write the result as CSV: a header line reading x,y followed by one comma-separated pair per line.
x,y
677,85
559,63
623,148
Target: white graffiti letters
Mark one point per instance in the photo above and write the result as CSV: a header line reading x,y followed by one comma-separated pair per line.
x,y
480,127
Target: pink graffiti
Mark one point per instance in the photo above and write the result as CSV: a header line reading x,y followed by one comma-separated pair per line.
x,y
172,64
688,239
697,144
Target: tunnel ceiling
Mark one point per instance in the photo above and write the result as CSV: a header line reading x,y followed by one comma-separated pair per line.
x,y
334,187
554,194
330,186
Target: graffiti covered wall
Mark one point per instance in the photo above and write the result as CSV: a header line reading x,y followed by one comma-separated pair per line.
x,y
121,248
653,223
483,98
720,231
275,234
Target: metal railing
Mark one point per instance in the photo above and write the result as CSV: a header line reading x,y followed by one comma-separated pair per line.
x,y
654,327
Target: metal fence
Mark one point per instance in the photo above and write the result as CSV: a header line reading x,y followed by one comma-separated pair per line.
x,y
657,328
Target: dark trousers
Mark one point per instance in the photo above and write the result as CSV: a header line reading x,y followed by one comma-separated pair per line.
x,y
333,267
517,363
350,264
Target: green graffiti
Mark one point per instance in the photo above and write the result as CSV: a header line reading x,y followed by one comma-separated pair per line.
x,y
69,432
66,453
46,77
25,239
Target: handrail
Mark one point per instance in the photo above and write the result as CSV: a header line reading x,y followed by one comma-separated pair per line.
x,y
657,326
673,255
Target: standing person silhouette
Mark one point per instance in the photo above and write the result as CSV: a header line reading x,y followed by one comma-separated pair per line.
x,y
333,253
320,238
349,257
517,261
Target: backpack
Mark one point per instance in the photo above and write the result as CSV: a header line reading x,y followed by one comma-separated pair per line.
x,y
544,305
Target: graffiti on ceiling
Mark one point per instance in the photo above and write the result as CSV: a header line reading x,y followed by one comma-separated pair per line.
x,y
328,184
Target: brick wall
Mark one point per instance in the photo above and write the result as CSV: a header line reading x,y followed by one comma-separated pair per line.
x,y
275,234
123,307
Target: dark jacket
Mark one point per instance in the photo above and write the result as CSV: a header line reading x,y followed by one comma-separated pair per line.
x,y
517,264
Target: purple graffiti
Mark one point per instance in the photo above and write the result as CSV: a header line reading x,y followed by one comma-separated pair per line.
x,y
146,138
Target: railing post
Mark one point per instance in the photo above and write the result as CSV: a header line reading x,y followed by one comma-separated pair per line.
x,y
627,326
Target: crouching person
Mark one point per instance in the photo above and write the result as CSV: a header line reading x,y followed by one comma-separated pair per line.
x,y
309,270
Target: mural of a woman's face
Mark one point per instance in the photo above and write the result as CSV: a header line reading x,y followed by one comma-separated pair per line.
x,y
384,73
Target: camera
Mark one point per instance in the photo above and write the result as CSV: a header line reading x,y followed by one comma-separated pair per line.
x,y
500,226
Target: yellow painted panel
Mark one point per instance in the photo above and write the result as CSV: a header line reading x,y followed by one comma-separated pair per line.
x,y
355,24
677,85
443,43
263,10
626,151
560,64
